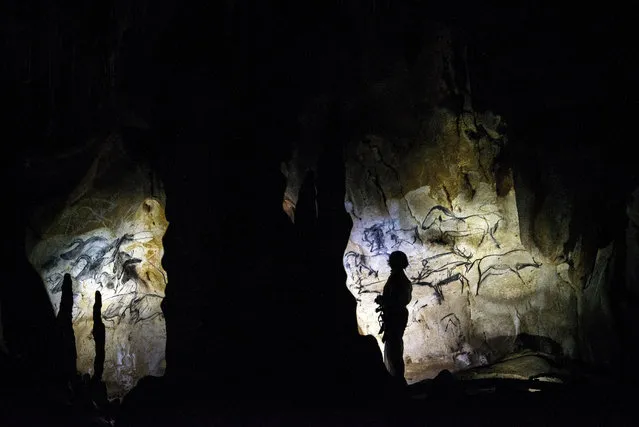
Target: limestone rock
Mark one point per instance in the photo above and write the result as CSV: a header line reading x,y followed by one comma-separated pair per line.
x,y
474,282
108,237
526,365
443,197
489,254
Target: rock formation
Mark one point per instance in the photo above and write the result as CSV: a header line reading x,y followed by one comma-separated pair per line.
x,y
493,256
108,237
427,174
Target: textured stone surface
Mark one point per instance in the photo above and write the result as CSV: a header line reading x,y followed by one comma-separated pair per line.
x,y
426,174
442,196
474,281
108,236
526,365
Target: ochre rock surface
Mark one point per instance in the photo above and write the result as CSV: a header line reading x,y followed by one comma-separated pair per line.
x,y
426,174
108,237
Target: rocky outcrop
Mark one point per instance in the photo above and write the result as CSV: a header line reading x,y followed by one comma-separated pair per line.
x,y
429,175
439,197
108,237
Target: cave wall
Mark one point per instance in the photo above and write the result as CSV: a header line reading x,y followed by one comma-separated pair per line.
x,y
496,248
400,88
441,195
107,235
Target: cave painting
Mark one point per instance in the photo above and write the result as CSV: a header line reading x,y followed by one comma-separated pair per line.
x,y
107,236
447,263
472,278
123,265
112,267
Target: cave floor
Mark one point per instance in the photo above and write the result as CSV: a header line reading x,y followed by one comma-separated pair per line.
x,y
496,408
459,403
416,373
443,401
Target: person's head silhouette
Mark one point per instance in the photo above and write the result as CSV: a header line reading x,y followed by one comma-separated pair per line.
x,y
398,260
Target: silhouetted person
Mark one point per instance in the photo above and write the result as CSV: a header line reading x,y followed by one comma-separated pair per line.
x,y
65,328
99,336
393,301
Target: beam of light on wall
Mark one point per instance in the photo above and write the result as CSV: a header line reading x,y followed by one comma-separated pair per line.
x,y
125,266
110,240
476,287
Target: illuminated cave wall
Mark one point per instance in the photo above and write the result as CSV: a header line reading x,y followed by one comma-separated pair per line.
x,y
425,174
475,286
108,236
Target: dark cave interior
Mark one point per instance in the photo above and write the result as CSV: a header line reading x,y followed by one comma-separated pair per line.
x,y
209,95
